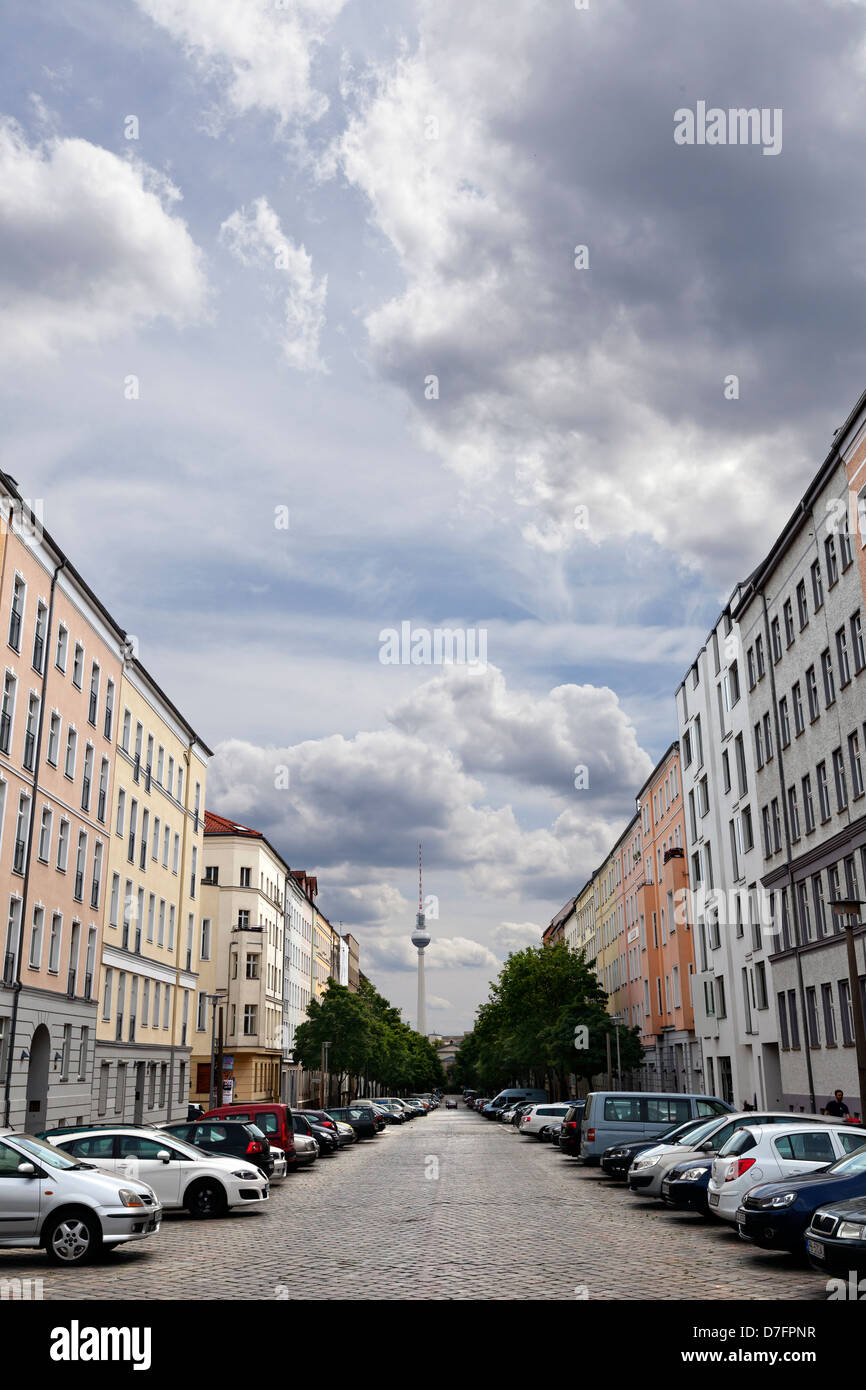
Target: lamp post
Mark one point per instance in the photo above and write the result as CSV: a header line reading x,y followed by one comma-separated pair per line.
x,y
213,1000
325,1046
849,908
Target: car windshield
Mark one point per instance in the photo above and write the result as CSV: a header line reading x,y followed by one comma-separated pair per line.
x,y
46,1153
677,1132
697,1136
188,1150
854,1163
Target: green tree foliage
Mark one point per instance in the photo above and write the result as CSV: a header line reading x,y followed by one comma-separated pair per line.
x,y
524,1033
369,1042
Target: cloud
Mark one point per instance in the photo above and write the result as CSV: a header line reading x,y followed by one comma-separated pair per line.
x,y
254,236
89,246
437,1003
260,51
514,936
390,952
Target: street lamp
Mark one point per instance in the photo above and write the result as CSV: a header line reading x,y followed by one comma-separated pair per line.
x,y
213,1000
325,1046
849,908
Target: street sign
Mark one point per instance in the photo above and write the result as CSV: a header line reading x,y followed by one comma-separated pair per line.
x,y
581,1037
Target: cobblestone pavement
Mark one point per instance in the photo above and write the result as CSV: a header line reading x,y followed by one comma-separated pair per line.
x,y
450,1206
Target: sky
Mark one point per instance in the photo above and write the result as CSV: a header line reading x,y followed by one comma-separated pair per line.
x,y
299,345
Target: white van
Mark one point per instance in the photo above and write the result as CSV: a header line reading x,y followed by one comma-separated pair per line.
x,y
514,1095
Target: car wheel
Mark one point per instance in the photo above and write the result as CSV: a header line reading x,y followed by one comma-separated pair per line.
x,y
72,1239
206,1198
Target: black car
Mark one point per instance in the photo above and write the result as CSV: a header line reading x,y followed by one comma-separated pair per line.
x,y
323,1118
327,1139
569,1135
836,1238
775,1215
228,1138
618,1158
360,1117
687,1185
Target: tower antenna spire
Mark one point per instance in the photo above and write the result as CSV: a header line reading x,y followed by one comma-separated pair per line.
x,y
421,940
420,895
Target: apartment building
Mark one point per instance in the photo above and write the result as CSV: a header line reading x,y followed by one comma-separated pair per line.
x,y
801,616
153,933
297,979
586,931
63,657
243,894
735,1018
663,936
354,964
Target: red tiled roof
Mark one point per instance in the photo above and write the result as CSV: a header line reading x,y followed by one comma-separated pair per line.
x,y
218,825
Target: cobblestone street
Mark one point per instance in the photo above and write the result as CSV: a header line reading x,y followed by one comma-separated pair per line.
x,y
506,1218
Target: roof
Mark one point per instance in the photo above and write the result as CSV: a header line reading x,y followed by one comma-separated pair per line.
x,y
562,914
218,825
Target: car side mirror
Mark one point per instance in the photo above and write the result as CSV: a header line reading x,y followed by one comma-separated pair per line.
x,y
164,1155
706,1147
27,1170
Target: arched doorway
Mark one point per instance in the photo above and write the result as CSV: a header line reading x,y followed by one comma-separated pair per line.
x,y
37,1079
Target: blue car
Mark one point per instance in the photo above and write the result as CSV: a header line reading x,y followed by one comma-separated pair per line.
x,y
686,1186
775,1215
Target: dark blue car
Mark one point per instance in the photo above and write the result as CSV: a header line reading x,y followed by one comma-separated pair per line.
x,y
775,1214
686,1185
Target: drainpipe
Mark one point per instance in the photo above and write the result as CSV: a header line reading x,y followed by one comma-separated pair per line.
x,y
17,987
795,906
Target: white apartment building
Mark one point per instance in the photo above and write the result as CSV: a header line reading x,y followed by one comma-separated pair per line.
x,y
296,973
801,618
732,996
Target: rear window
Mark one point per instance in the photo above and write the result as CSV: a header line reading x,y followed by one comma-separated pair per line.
x,y
671,1112
622,1108
97,1146
711,1107
739,1143
268,1121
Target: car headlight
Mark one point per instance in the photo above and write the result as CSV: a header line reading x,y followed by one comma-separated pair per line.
x,y
850,1230
692,1174
618,1153
645,1163
246,1174
129,1198
780,1199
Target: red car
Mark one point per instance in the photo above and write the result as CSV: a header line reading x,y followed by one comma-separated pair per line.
x,y
273,1119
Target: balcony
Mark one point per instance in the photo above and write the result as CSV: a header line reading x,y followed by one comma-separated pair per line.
x,y
675,852
18,856
91,709
70,984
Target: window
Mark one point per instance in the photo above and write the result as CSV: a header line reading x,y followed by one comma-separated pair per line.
x,y
793,1018
784,724
63,846
759,656
175,853
22,830
819,905
808,808
742,778
36,937
703,797
750,667
762,997
805,914
250,1020
828,1009
777,824
16,614
71,746
832,561
856,768
54,943
87,778
10,685
827,672
204,953
842,658
845,1013
776,640
106,996
823,791
109,709
797,704
62,648
845,553
857,644
788,618
39,636
245,878
812,693
726,770
759,747
252,966
839,779
93,703
768,737
78,665
53,738
802,606
793,813
127,730
45,834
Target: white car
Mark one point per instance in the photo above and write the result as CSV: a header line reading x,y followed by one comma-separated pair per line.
x,y
180,1174
281,1167
537,1117
772,1153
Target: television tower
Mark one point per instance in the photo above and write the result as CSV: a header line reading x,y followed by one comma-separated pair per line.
x,y
421,939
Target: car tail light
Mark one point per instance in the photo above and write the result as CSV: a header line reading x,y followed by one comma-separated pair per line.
x,y
570,1124
254,1147
590,1135
737,1169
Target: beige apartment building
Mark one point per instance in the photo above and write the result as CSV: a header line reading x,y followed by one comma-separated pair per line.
x,y
62,663
153,935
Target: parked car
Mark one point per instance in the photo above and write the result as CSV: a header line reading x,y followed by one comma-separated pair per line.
x,y
229,1138
648,1170
451,1103
273,1119
617,1160
360,1117
685,1186
774,1152
280,1166
519,1112
388,1116
52,1201
321,1119
618,1117
775,1215
180,1175
549,1134
836,1238
569,1138
306,1149
511,1096
469,1095
537,1117
325,1136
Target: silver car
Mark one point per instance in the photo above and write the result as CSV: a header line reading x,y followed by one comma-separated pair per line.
x,y
306,1148
69,1208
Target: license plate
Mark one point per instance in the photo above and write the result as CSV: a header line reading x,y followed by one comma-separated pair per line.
x,y
715,1198
816,1248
